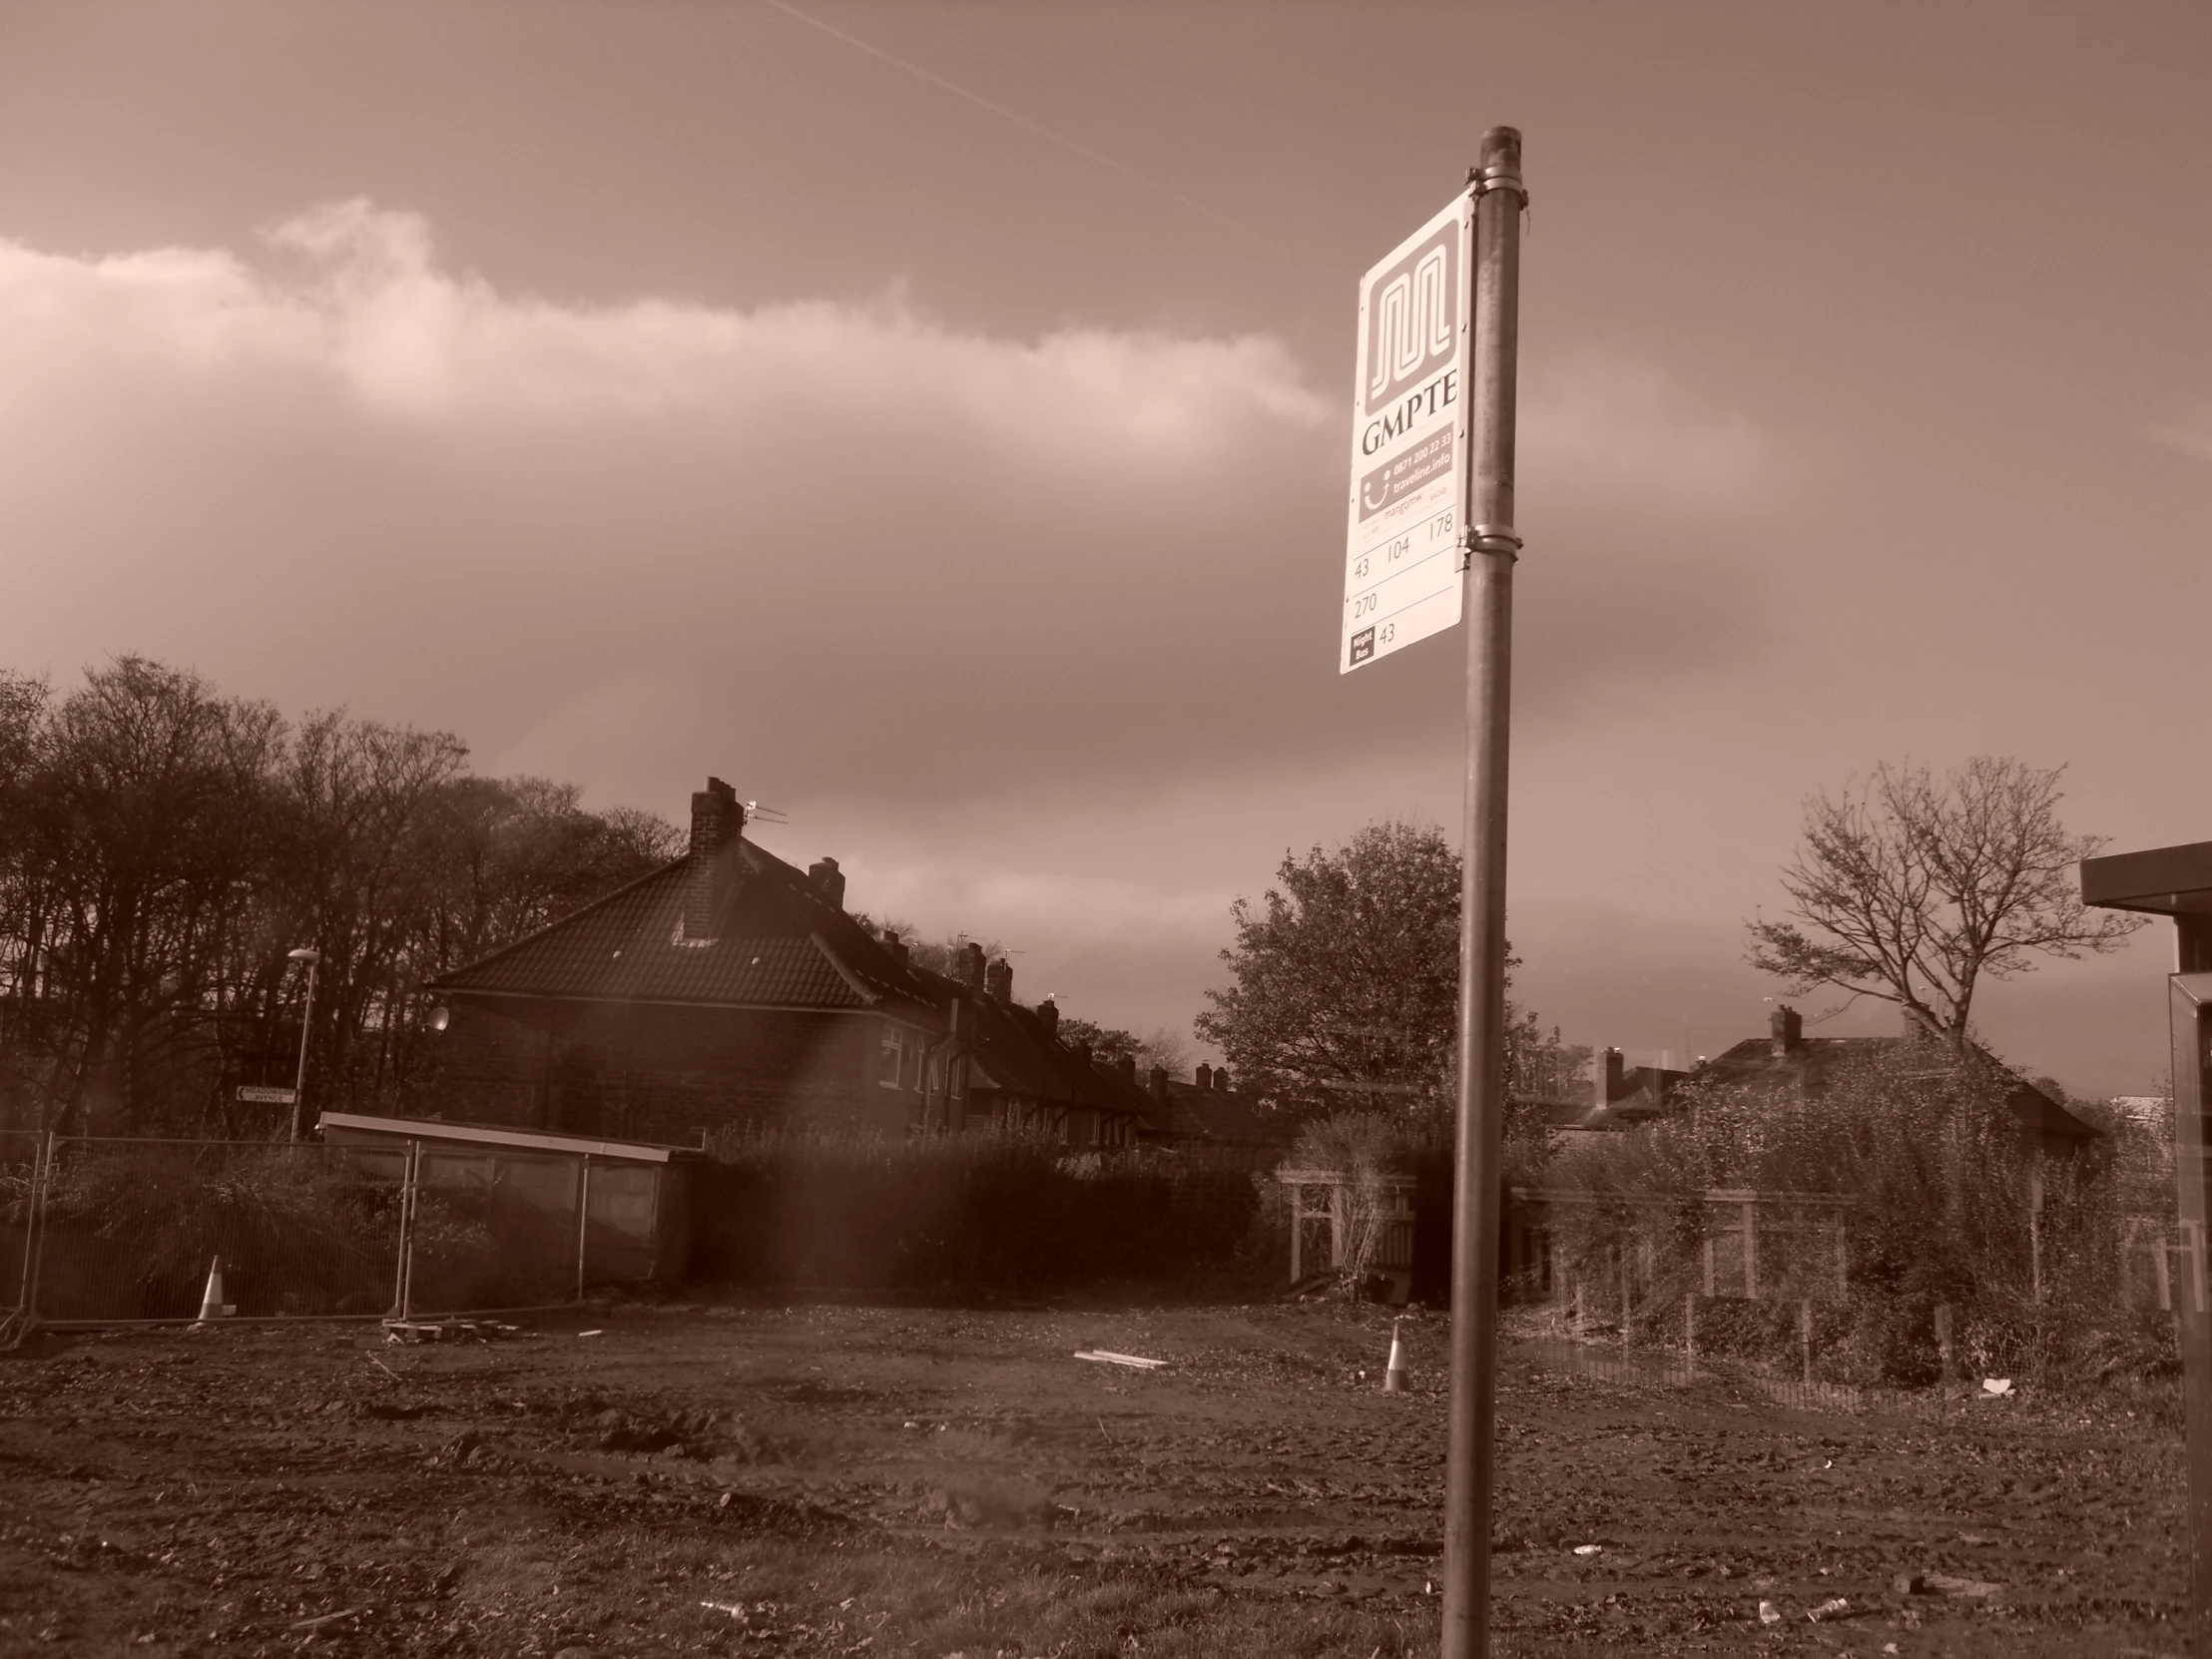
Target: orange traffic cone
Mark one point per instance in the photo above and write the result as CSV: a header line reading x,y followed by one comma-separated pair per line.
x,y
212,1304
1393,1377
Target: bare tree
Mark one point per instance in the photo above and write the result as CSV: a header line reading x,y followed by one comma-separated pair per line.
x,y
162,847
1913,888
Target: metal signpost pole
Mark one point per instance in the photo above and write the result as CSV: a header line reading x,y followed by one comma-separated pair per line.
x,y
2177,881
314,960
2189,998
1477,1195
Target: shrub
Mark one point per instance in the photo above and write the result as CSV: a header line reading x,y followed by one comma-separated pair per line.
x,y
130,1228
1007,1212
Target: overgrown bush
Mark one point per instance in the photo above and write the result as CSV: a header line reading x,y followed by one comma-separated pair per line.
x,y
1941,1200
130,1230
791,1209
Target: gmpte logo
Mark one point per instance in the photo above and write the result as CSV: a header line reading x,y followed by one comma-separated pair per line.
x,y
1413,318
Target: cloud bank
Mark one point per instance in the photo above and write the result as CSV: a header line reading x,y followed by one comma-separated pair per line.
x,y
819,547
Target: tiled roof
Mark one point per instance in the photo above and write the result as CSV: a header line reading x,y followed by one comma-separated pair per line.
x,y
1015,1050
777,942
1218,1115
1185,1112
1812,1061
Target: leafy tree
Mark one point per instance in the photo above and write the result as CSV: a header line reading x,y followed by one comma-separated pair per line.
x,y
1911,888
1347,984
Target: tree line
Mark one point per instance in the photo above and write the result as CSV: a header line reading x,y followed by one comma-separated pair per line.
x,y
164,848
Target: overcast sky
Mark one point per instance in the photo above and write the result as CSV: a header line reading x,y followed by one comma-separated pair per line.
x,y
932,418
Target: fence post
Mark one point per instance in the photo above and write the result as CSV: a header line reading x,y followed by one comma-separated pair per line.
x,y
1750,1249
1944,1349
583,1222
1805,1336
1628,1299
26,1302
403,1290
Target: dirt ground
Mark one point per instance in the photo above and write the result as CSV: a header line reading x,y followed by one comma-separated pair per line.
x,y
843,1480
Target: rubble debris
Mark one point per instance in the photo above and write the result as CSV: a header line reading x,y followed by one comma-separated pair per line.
x,y
1105,1356
323,1619
1835,1607
1769,1613
1969,1588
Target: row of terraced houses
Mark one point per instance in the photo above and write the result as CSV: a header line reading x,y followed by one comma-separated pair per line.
x,y
731,990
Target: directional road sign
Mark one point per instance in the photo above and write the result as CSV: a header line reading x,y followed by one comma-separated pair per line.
x,y
266,1097
1410,441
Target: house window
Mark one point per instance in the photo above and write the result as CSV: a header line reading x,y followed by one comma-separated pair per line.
x,y
935,1078
887,1070
957,1087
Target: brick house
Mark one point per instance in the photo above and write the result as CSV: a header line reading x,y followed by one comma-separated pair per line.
x,y
730,990
1785,1064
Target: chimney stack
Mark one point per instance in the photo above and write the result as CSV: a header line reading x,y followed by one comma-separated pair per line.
x,y
895,945
717,827
1614,1082
1049,1011
1789,1031
998,981
1127,1068
828,880
1159,1082
971,966
1205,1075
1221,1079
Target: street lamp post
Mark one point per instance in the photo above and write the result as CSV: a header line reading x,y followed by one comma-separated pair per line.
x,y
299,1082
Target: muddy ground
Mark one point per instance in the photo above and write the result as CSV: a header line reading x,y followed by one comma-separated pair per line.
x,y
837,1480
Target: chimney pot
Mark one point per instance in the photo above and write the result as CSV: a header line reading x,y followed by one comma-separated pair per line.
x,y
1788,1027
828,880
717,828
998,981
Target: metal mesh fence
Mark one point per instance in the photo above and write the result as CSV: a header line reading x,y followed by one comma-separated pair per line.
x,y
131,1230
1665,1353
113,1232
19,1168
494,1230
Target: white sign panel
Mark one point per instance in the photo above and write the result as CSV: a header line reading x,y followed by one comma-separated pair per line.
x,y
1410,441
266,1097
